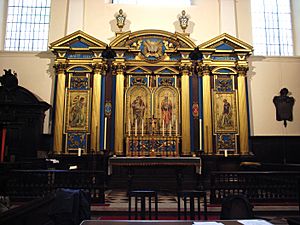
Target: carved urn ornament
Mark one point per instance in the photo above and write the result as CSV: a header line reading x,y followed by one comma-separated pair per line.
x,y
9,80
120,19
183,21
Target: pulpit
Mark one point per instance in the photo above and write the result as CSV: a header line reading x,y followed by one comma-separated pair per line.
x,y
21,119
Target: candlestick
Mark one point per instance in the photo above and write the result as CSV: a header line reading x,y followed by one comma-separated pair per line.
x,y
135,129
225,153
142,127
3,144
79,151
200,134
170,130
129,127
105,129
96,139
163,128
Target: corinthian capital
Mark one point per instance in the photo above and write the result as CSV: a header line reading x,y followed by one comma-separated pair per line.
x,y
203,69
186,68
100,68
242,69
118,67
60,67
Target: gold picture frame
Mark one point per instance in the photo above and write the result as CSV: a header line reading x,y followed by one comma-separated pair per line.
x,y
225,112
77,110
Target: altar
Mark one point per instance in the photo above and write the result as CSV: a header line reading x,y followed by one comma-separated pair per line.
x,y
169,169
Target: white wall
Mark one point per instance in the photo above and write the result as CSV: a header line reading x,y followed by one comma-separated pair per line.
x,y
266,77
97,18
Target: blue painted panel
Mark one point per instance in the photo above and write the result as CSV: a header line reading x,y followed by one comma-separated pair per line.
x,y
79,44
76,140
191,114
102,102
224,71
224,46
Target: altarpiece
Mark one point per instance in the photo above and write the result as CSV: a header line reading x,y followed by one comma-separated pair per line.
x,y
153,98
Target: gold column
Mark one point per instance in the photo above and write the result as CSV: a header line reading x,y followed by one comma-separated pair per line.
x,y
96,102
207,116
185,108
243,113
119,67
59,108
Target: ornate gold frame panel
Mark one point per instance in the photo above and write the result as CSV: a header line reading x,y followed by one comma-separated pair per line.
x,y
138,108
225,112
226,142
77,110
166,109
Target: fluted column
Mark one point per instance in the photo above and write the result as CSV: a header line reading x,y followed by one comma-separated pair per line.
x,y
59,108
185,108
207,116
243,112
96,102
119,67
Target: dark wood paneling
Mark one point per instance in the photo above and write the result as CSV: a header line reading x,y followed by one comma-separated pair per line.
x,y
276,149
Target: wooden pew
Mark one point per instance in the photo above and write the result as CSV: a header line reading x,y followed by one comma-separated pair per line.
x,y
34,212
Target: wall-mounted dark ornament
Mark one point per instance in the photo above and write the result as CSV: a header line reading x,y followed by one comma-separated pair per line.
x,y
284,106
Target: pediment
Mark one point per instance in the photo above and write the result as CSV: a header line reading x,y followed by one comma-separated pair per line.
x,y
78,40
139,70
226,42
166,71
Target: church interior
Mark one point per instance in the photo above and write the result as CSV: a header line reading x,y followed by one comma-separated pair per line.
x,y
189,111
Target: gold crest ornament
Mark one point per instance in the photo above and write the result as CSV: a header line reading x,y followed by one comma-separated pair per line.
x,y
152,49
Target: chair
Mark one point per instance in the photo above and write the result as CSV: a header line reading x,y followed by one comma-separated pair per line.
x,y
191,196
141,196
236,207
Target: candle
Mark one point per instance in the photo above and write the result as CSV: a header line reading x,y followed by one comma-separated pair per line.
x,y
170,130
105,129
225,153
135,128
79,151
3,144
163,128
142,127
129,127
176,127
200,134
96,138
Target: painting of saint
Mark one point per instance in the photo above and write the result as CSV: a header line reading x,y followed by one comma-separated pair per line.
x,y
226,118
77,111
77,116
225,112
138,108
166,110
